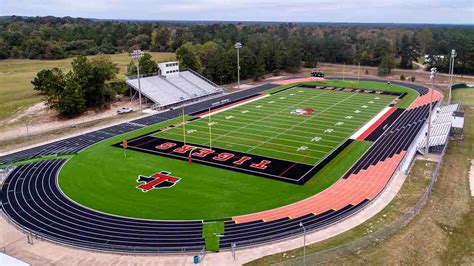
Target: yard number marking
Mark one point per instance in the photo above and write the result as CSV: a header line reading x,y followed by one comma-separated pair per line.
x,y
315,139
302,148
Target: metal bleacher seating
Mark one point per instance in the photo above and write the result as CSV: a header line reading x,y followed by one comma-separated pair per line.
x,y
169,90
441,126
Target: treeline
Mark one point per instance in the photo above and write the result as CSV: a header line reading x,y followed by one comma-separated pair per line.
x,y
267,47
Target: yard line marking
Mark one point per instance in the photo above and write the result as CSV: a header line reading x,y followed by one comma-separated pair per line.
x,y
318,113
290,140
265,117
280,144
260,130
304,131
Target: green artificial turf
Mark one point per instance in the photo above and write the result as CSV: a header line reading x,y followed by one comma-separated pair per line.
x,y
404,103
266,127
101,178
211,232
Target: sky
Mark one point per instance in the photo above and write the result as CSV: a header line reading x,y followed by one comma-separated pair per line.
x,y
375,11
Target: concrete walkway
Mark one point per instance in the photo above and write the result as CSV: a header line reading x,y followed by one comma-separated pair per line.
x,y
15,243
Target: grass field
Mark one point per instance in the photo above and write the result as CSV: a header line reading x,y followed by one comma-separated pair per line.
x,y
102,178
266,127
16,91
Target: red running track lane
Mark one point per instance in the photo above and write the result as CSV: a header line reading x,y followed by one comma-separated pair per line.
x,y
366,184
376,124
425,99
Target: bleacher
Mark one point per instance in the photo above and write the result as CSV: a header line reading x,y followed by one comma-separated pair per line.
x,y
440,127
171,88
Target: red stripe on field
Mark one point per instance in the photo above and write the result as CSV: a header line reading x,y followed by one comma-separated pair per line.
x,y
230,105
287,169
376,124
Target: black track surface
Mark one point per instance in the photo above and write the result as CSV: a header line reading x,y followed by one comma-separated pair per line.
x,y
33,201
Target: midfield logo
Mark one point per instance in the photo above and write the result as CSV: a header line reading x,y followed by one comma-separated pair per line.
x,y
157,181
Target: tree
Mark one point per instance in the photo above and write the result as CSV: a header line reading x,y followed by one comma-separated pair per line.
x,y
386,66
409,51
292,55
34,48
160,40
405,52
426,39
92,77
49,81
72,101
188,57
3,49
147,66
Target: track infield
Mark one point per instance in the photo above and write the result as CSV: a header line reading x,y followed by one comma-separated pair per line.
x,y
105,178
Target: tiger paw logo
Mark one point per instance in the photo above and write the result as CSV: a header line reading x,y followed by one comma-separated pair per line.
x,y
157,181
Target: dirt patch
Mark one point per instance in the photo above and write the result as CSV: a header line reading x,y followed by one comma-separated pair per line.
x,y
39,119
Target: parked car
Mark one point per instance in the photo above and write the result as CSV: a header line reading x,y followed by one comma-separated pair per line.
x,y
124,110
317,73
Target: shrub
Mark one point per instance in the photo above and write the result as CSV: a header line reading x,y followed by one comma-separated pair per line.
x,y
413,79
402,77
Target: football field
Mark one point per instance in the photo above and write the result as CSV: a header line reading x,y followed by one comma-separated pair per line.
x,y
271,127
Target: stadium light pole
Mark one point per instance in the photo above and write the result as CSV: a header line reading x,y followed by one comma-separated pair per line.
x,y
344,71
136,55
451,72
237,46
304,243
434,73
358,73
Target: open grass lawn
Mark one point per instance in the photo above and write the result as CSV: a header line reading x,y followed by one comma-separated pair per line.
x,y
102,178
16,91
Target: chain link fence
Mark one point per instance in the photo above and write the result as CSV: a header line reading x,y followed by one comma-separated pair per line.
x,y
380,235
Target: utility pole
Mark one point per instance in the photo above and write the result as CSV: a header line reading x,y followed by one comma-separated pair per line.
x,y
237,46
136,55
